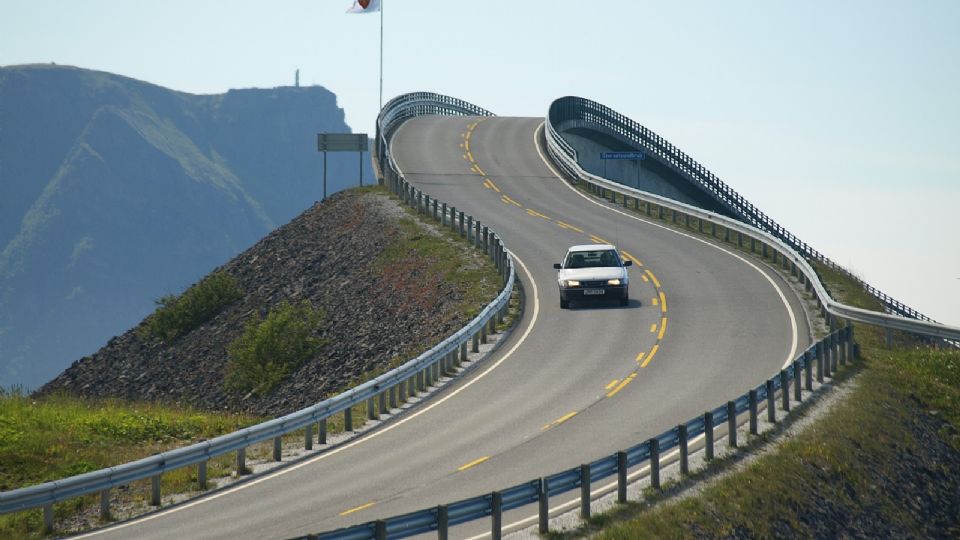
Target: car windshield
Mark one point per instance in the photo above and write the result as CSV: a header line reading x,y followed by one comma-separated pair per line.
x,y
592,259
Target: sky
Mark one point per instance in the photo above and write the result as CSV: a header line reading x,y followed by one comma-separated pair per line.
x,y
841,120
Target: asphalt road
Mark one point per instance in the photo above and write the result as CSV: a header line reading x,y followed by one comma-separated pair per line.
x,y
567,387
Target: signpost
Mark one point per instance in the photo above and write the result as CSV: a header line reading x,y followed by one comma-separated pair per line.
x,y
341,142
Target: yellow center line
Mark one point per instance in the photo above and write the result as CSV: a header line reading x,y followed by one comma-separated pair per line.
x,y
473,463
466,145
469,154
559,421
640,357
645,278
653,327
534,213
620,386
598,240
663,302
611,384
663,328
357,509
654,279
653,351
507,200
479,170
635,260
569,226
654,301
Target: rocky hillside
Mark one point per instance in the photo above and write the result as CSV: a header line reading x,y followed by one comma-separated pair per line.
x,y
114,192
332,256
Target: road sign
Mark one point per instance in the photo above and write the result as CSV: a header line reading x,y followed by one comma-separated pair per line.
x,y
622,155
342,142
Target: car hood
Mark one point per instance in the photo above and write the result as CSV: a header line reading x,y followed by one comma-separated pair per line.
x,y
592,274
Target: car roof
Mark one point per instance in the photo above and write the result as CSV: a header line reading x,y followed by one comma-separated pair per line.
x,y
590,247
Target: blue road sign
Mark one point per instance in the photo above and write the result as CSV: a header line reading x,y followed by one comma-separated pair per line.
x,y
622,155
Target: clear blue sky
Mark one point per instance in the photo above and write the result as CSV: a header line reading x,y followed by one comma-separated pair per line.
x,y
840,119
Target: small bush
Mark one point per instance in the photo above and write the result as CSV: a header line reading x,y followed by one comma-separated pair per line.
x,y
271,349
177,316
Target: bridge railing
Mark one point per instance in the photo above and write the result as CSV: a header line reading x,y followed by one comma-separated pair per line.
x,y
766,234
581,112
384,392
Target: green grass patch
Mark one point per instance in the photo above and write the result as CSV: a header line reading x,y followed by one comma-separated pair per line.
x,y
179,315
850,462
58,436
272,348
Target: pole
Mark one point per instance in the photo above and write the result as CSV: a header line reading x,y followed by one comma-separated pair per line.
x,y
324,175
381,55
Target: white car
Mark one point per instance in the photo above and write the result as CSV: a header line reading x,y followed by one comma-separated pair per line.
x,y
593,271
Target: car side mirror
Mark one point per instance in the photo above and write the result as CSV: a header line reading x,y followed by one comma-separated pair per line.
x,y
556,265
628,262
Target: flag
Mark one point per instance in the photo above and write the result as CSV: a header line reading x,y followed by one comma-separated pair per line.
x,y
364,6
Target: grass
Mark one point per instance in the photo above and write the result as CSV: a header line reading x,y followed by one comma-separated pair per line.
x,y
60,436
845,463
179,315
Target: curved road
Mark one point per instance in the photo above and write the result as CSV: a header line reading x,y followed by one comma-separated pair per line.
x,y
567,387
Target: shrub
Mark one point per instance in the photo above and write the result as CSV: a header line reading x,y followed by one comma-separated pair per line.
x,y
270,349
177,316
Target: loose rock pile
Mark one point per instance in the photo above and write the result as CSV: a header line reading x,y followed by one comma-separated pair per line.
x,y
326,256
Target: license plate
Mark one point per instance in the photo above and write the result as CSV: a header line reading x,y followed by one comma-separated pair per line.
x,y
594,291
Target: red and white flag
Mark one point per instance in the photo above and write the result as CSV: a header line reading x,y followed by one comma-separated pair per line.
x,y
364,6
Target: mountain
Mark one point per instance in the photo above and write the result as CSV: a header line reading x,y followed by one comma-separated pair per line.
x,y
114,192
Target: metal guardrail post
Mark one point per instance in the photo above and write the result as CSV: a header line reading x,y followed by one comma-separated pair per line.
x,y
834,349
483,334
543,506
496,515
322,431
817,351
708,435
436,210
348,419
808,370
752,399
202,475
842,345
585,491
684,450
443,522
654,444
453,218
380,530
463,351
731,424
393,397
308,437
277,448
241,461
105,504
48,518
825,348
382,405
371,409
443,218
621,477
470,229
155,490
463,231
771,406
476,234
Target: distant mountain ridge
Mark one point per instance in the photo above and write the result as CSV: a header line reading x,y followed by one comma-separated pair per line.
x,y
114,191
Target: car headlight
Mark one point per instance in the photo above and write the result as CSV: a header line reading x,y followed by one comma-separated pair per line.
x,y
615,281
570,283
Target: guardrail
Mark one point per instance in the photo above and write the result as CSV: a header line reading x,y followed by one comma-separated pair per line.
x,y
576,111
826,355
776,243
384,391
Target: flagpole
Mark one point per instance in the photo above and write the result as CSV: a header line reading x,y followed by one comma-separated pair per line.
x,y
381,56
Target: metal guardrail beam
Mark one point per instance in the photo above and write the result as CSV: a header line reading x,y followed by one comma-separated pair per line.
x,y
394,113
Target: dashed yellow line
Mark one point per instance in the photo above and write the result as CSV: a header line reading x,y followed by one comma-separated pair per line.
x,y
466,145
653,328
507,200
663,302
635,260
488,183
620,386
611,384
653,278
534,213
569,226
654,301
473,463
663,328
559,421
640,356
653,351
469,154
357,509
598,240
645,278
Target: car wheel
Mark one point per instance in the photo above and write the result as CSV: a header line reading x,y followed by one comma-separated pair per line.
x,y
564,304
